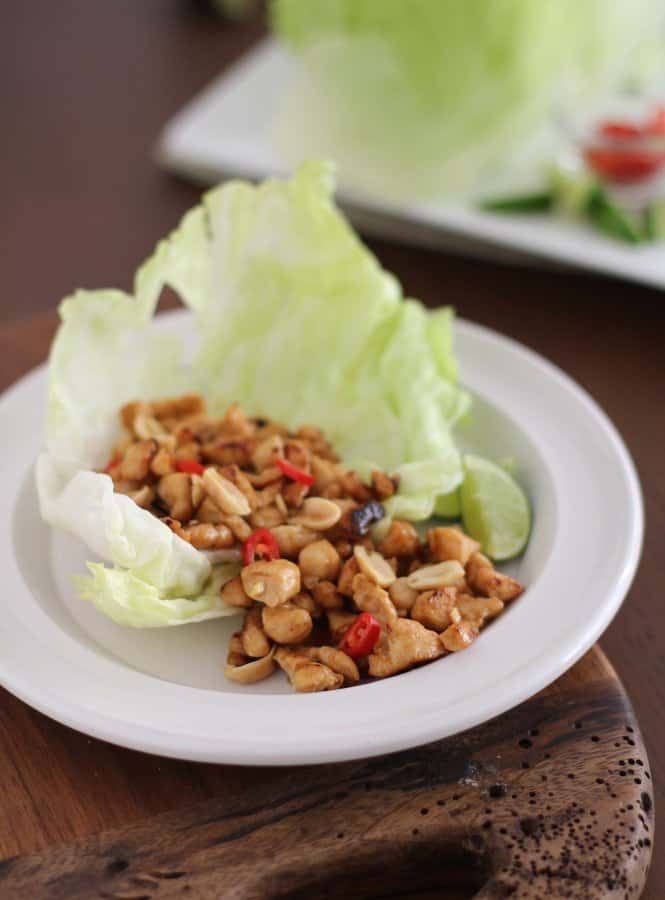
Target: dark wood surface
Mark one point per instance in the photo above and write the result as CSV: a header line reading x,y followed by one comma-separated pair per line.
x,y
84,90
553,799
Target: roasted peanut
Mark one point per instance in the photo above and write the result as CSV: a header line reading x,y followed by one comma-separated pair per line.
x,y
326,595
292,538
233,593
272,582
286,624
319,560
374,566
225,494
443,574
382,485
318,514
254,640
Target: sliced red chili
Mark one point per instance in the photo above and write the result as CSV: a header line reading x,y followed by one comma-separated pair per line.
x,y
620,130
623,165
361,637
111,465
190,466
294,473
261,542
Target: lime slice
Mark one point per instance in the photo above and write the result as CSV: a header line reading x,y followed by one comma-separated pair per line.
x,y
495,510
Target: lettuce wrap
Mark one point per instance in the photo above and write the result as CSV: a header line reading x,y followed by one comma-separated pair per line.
x,y
296,321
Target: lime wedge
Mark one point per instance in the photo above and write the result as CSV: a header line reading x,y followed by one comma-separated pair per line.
x,y
448,506
495,510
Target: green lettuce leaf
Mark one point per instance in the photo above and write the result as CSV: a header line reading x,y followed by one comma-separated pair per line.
x,y
297,321
430,96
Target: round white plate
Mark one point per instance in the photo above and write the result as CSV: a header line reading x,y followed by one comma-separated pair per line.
x,y
163,691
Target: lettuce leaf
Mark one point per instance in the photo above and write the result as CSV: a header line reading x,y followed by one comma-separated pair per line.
x,y
429,97
297,321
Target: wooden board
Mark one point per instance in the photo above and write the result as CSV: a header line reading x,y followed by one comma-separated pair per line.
x,y
550,800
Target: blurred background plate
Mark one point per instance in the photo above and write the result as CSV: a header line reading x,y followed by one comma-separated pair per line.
x,y
225,132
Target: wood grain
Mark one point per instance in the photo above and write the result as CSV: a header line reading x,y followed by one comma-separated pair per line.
x,y
86,88
552,799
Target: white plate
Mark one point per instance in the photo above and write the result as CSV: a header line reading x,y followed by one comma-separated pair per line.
x,y
163,691
225,131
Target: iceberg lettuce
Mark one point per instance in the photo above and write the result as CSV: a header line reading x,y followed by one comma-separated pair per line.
x,y
296,321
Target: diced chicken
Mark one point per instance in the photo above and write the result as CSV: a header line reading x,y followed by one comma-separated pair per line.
x,y
406,644
433,608
402,596
451,543
371,598
400,540
483,578
305,674
253,637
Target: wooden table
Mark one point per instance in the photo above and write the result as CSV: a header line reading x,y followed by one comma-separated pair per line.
x,y
85,88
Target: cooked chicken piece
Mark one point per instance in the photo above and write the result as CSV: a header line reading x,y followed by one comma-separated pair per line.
x,y
451,543
178,407
175,491
320,561
236,422
485,580
130,411
286,624
268,517
243,671
353,486
233,593
190,450
339,621
298,454
253,637
227,452
144,496
268,449
272,582
332,491
326,595
314,438
294,494
135,464
478,610
203,536
267,496
304,674
306,601
459,636
292,538
402,596
401,540
163,462
407,643
382,485
325,473
433,608
369,597
345,581
337,660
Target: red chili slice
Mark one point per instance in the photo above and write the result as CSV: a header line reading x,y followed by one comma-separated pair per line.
x,y
189,466
620,130
261,542
623,165
361,637
294,473
111,465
